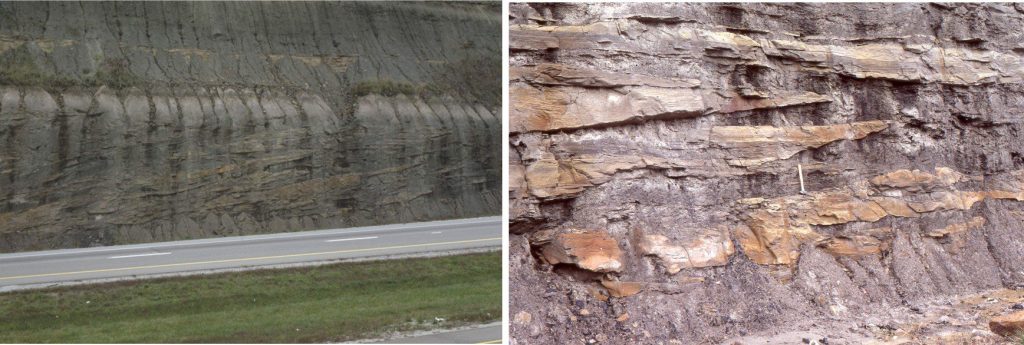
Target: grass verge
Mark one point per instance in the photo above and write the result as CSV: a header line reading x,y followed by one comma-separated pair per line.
x,y
316,304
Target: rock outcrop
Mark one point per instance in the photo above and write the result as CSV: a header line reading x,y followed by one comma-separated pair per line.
x,y
124,122
590,250
770,173
1009,324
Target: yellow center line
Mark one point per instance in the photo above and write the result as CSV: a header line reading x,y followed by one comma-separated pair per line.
x,y
245,259
491,342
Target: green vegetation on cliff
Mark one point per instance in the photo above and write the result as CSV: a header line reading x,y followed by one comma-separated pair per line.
x,y
391,88
476,79
328,303
19,68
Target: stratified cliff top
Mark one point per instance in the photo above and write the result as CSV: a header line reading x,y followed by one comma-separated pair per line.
x,y
331,47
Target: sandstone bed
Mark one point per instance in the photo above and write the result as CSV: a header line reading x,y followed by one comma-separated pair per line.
x,y
654,188
126,122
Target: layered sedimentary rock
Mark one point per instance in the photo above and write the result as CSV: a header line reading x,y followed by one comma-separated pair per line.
x,y
723,148
774,230
138,122
768,173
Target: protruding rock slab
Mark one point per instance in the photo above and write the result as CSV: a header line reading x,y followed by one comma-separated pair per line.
x,y
747,147
737,104
713,249
952,229
562,75
774,229
917,180
768,238
570,107
554,97
755,145
590,250
1008,325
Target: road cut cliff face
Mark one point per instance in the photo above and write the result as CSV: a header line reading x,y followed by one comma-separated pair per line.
x,y
654,187
126,122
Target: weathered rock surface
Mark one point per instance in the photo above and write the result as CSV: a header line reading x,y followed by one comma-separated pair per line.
x,y
147,121
1008,325
677,130
775,229
589,250
622,289
713,249
726,148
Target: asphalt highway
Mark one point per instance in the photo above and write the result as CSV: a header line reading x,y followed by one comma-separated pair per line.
x,y
34,269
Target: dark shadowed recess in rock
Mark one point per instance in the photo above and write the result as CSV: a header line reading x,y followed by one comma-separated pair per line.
x,y
127,122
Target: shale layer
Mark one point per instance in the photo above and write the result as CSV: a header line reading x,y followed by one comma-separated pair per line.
x,y
124,122
657,152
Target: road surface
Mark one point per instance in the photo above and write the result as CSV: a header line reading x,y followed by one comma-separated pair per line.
x,y
488,334
34,269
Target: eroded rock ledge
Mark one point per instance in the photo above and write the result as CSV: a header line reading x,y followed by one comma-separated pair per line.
x,y
676,133
724,148
774,229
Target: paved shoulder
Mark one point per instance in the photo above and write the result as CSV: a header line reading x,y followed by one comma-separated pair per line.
x,y
487,334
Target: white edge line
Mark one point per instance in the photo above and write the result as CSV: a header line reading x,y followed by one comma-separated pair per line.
x,y
136,255
352,239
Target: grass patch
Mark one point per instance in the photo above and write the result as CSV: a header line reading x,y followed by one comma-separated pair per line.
x,y
19,68
476,79
113,73
392,88
328,303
